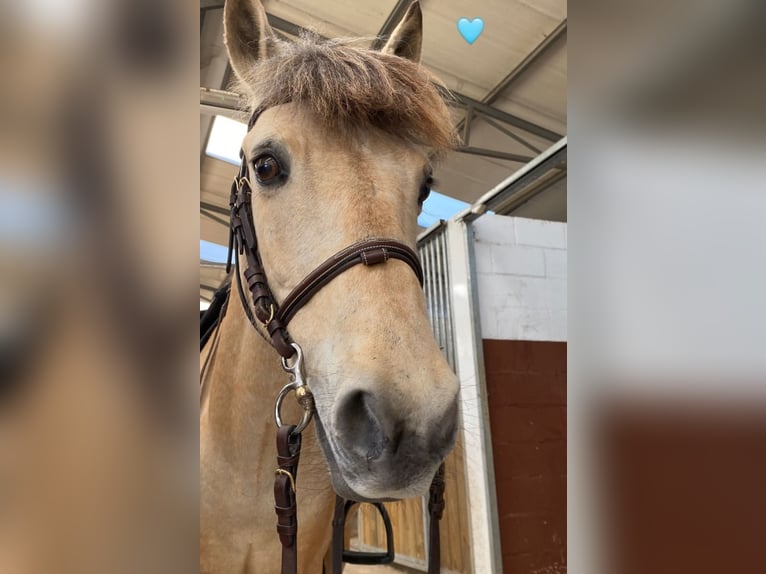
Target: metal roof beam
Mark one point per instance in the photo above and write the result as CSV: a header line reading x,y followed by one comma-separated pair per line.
x,y
286,26
494,153
222,103
481,106
529,192
467,125
215,218
510,119
396,14
555,157
228,104
514,74
213,208
526,63
511,135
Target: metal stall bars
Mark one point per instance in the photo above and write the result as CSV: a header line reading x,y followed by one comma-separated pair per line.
x,y
432,249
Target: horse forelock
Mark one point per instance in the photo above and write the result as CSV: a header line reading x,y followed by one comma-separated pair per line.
x,y
353,88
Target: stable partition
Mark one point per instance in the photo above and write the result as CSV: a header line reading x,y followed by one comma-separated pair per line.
x,y
520,271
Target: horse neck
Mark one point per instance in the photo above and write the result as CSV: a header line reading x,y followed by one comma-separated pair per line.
x,y
237,404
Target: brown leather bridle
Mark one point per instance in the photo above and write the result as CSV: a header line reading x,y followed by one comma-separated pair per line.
x,y
275,317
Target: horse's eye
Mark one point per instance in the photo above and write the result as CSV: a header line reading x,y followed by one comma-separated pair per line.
x,y
425,189
267,169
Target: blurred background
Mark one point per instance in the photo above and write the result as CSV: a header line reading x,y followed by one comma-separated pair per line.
x,y
99,262
667,365
98,247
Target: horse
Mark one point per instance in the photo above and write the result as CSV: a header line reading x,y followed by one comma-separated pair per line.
x,y
341,152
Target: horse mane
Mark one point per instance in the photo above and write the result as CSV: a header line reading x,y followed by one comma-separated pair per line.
x,y
352,88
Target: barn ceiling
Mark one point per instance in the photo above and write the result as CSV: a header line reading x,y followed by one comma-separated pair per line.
x,y
509,87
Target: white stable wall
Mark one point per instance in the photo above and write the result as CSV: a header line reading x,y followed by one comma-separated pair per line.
x,y
521,272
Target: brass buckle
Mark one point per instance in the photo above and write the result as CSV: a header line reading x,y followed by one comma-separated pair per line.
x,y
288,475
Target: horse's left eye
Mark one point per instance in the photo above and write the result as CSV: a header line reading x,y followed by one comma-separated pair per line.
x,y
267,169
425,189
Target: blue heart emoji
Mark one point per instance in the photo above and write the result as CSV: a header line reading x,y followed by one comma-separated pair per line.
x,y
470,29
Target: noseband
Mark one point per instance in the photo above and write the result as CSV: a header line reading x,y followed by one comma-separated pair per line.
x,y
275,317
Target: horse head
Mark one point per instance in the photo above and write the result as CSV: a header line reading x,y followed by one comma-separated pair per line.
x,y
342,152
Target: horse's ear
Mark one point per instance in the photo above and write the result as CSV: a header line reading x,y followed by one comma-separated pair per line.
x,y
407,38
247,34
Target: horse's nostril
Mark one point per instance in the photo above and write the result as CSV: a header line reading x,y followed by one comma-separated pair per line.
x,y
359,425
370,429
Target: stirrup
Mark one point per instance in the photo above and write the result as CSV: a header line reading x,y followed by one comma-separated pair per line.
x,y
342,508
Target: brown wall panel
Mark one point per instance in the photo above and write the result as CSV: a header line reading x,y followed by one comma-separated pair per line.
x,y
526,387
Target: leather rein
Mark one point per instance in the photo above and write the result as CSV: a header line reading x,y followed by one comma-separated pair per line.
x,y
275,317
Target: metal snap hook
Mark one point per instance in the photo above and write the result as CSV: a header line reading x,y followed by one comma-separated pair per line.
x,y
302,392
296,369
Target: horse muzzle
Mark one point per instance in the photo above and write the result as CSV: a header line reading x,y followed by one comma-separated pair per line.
x,y
381,451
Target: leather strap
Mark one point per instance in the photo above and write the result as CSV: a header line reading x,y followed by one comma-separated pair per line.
x,y
288,454
367,252
338,534
211,318
435,511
